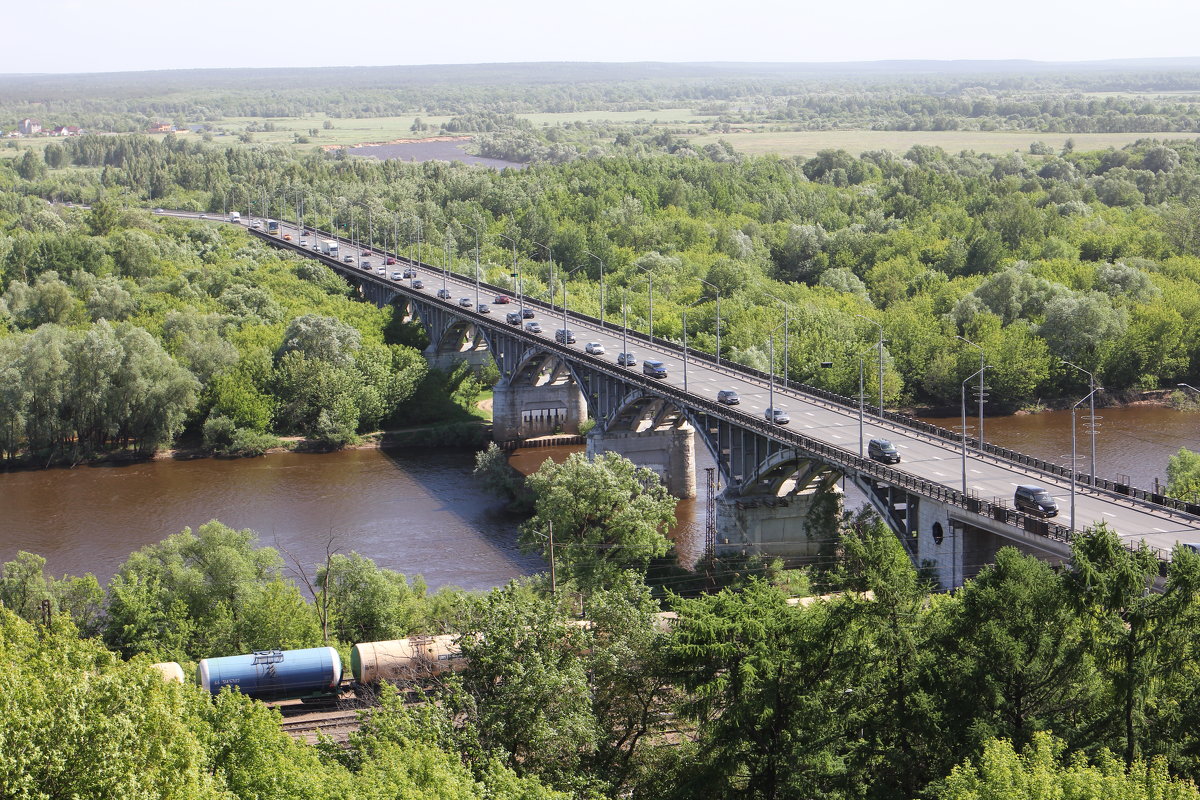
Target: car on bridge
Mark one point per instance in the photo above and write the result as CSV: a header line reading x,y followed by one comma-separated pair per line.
x,y
418,284
564,336
778,415
381,270
728,397
348,259
410,273
304,242
444,294
365,265
595,348
1035,500
626,359
256,225
389,261
883,450
654,368
502,299
395,276
367,254
533,327
465,302
527,313
483,308
513,318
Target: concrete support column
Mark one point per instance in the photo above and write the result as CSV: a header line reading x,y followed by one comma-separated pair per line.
x,y
940,543
671,453
478,359
523,411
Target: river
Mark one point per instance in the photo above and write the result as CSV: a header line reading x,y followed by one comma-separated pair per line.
x,y
419,511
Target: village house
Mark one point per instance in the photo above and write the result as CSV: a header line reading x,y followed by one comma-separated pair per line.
x,y
28,127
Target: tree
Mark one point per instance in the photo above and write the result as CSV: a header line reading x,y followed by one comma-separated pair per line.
x,y
1183,475
1133,627
320,338
608,515
525,690
1013,660
1039,773
103,217
366,603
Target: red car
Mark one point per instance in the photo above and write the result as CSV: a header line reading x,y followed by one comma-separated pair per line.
x,y
502,299
390,261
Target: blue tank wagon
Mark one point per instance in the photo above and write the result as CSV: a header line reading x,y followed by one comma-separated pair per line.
x,y
274,674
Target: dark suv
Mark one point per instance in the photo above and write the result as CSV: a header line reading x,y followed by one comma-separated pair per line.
x,y
883,450
1035,500
653,368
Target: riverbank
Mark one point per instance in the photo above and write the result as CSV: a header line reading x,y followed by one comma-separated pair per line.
x,y
1121,398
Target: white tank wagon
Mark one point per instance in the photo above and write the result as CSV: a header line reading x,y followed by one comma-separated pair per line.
x,y
403,660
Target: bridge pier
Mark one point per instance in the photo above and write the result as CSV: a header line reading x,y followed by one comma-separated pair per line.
x,y
775,525
447,361
671,453
522,411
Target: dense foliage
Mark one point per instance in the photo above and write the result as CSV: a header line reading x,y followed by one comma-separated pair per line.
x,y
119,332
1089,257
1026,677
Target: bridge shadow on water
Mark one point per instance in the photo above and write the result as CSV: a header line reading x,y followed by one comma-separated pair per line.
x,y
450,522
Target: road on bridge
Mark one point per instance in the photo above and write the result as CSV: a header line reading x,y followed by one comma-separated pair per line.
x,y
923,456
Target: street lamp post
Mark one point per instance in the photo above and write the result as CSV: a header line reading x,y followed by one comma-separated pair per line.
x,y
550,284
650,296
568,274
880,326
981,364
718,293
602,294
964,424
516,272
476,231
1091,419
625,321
1073,468
685,316
786,334
771,385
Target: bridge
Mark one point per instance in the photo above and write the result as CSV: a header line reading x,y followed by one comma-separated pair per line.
x,y
772,474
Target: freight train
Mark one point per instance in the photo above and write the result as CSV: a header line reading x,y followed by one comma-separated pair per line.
x,y
317,671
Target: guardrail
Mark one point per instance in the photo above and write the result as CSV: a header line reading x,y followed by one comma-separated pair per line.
x,y
842,402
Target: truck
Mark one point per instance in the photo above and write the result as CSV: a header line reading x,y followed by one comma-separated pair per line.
x,y
273,226
235,217
329,247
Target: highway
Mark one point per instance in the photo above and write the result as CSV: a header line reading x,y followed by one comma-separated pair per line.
x,y
923,456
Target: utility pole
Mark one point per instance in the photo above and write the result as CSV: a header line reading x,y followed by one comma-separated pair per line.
x,y
553,578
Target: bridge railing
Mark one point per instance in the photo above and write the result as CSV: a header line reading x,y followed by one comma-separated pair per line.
x,y
842,402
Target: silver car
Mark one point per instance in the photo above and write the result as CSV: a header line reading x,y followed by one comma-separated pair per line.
x,y
595,348
778,415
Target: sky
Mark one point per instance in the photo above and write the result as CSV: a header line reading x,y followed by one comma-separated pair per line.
x,y
127,35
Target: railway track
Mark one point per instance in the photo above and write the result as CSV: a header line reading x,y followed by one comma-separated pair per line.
x,y
336,724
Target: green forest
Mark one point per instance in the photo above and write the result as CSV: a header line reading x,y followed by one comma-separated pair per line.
x,y
1087,257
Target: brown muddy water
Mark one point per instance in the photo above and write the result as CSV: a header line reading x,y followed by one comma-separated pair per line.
x,y
420,511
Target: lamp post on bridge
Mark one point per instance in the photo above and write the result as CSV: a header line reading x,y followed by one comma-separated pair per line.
x,y
650,295
718,293
1073,468
771,385
568,274
550,283
602,293
476,231
516,273
786,335
685,316
981,365
880,326
964,424
1091,423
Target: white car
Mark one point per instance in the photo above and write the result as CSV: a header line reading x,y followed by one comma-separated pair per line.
x,y
304,242
395,276
595,348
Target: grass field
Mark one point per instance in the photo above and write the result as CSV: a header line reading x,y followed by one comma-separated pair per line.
x,y
807,143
